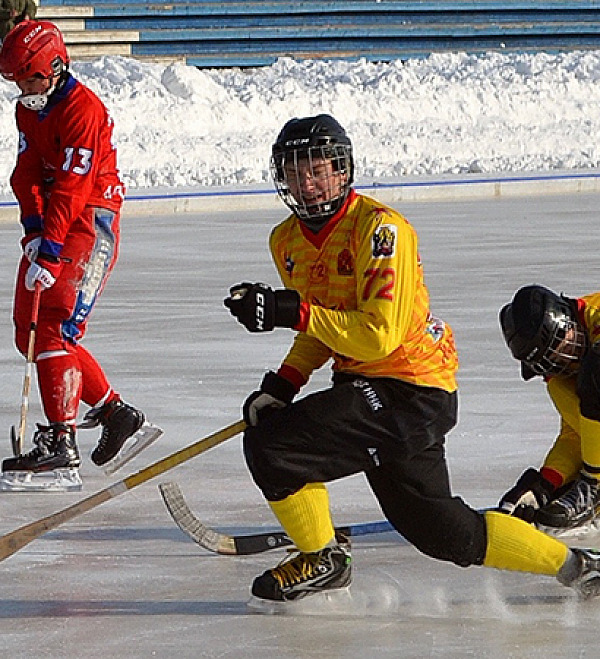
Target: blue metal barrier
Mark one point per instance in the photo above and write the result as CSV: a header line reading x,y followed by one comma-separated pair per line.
x,y
254,33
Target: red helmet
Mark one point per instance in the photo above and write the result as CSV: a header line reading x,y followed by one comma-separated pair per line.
x,y
33,47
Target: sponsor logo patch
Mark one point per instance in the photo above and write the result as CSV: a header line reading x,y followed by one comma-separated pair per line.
x,y
369,393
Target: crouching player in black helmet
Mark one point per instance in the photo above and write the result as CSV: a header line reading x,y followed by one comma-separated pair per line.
x,y
557,338
354,292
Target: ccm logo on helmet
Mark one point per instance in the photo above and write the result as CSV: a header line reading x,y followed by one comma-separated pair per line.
x,y
30,35
297,142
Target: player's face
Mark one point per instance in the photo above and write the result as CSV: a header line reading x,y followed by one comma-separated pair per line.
x,y
569,351
565,354
313,181
34,85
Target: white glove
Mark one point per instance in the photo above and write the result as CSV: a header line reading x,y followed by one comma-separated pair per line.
x,y
31,249
530,493
274,394
257,404
37,273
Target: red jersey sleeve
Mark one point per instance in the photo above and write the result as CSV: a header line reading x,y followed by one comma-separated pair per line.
x,y
27,184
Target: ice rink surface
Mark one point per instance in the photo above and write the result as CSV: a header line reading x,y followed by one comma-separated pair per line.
x,y
123,581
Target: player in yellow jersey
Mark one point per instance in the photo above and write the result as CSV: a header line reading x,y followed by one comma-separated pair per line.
x,y
354,292
558,338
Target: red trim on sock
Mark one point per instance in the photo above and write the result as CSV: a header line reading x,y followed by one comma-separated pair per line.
x,y
552,476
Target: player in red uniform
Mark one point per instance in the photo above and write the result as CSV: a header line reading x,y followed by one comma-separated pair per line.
x,y
557,338
70,195
355,293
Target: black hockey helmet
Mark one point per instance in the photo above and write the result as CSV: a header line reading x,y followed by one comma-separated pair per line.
x,y
311,138
542,331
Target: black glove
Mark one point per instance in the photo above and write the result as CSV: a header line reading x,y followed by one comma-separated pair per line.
x,y
259,308
528,494
275,393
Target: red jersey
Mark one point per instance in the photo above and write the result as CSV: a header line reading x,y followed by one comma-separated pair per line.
x,y
66,161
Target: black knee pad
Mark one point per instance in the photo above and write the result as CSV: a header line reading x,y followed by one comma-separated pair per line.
x,y
268,467
459,537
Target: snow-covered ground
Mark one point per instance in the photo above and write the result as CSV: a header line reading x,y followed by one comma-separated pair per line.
x,y
451,113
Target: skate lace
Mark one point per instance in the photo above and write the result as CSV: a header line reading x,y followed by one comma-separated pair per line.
x,y
296,569
103,441
43,440
107,418
580,498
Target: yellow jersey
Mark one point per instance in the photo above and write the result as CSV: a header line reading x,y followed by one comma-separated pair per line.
x,y
361,281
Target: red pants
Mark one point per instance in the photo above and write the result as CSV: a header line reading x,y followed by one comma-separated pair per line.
x,y
67,372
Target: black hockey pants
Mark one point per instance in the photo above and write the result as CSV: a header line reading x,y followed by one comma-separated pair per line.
x,y
394,432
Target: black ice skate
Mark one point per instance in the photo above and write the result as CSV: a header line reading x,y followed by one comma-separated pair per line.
x,y
120,422
52,465
578,505
305,574
582,572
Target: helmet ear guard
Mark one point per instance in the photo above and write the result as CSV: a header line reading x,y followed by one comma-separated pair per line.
x,y
542,331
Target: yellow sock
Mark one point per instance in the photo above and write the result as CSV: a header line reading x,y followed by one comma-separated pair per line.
x,y
512,544
590,446
305,517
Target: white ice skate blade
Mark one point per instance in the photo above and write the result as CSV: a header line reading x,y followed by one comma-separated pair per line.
x,y
135,444
580,532
58,480
330,602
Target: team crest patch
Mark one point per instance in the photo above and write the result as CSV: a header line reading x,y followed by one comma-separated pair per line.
x,y
435,327
345,264
384,241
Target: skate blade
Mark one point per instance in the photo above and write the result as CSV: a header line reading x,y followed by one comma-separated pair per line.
x,y
135,444
582,531
58,480
330,602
